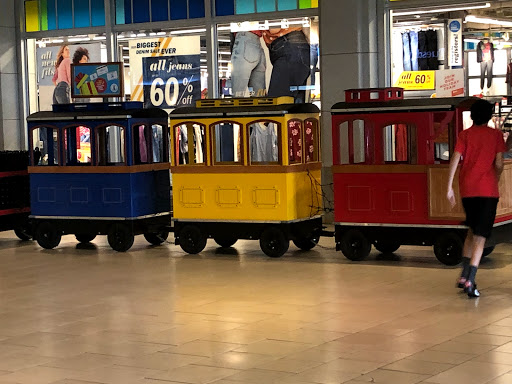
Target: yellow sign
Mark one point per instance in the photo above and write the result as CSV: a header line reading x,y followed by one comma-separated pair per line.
x,y
416,80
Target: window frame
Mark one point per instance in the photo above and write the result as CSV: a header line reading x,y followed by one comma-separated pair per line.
x,y
213,146
175,146
279,135
32,147
96,156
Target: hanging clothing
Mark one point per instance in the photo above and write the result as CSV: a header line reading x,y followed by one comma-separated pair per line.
x,y
143,151
198,136
508,78
484,52
263,142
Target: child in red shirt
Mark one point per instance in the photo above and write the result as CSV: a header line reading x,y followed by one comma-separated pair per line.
x,y
481,148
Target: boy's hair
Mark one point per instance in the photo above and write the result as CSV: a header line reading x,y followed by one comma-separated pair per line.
x,y
481,112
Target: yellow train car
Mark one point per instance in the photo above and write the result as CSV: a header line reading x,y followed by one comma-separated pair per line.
x,y
246,169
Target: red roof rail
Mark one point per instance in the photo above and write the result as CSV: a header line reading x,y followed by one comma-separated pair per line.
x,y
365,95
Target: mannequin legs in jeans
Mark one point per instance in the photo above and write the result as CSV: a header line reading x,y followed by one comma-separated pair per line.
x,y
249,65
62,93
290,58
486,69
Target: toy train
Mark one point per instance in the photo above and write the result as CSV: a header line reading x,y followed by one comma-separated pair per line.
x,y
251,169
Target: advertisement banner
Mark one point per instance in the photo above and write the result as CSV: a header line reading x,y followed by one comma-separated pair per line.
x,y
165,72
416,80
455,42
450,83
97,80
46,59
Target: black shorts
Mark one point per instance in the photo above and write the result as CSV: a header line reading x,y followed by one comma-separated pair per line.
x,y
480,214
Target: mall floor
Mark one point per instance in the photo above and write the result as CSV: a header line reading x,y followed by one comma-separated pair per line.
x,y
86,314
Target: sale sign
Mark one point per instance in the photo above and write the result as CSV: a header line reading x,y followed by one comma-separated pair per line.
x,y
171,81
157,86
416,80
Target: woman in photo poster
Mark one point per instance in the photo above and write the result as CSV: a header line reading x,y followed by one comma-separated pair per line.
x,y
289,52
62,77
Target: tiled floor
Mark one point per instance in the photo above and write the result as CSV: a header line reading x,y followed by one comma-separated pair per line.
x,y
86,314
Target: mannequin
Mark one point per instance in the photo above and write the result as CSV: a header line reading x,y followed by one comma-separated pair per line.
x,y
485,56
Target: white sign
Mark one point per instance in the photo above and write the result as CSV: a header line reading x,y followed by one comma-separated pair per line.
x,y
164,46
450,83
455,51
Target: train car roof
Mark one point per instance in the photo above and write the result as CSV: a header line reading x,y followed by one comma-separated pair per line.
x,y
405,105
241,111
110,114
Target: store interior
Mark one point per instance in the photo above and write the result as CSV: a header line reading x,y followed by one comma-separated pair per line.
x,y
487,37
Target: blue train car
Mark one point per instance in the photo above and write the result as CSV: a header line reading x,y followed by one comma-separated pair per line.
x,y
100,169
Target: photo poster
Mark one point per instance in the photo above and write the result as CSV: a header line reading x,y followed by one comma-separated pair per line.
x,y
93,80
165,72
46,59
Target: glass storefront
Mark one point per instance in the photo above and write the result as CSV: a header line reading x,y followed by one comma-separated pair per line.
x,y
166,66
463,49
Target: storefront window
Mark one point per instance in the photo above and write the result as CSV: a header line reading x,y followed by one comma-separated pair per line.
x,y
47,84
270,58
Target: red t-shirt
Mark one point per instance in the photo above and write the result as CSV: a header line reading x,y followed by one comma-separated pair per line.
x,y
478,146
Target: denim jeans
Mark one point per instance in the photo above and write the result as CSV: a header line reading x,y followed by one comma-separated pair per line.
x,y
407,51
486,69
62,93
249,65
290,58
413,37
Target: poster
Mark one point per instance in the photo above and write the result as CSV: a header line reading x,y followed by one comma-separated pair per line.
x,y
416,80
450,83
165,72
455,51
171,81
97,80
46,59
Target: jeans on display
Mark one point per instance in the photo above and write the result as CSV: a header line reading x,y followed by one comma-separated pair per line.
x,y
62,93
413,38
314,62
432,60
486,69
290,58
407,51
249,64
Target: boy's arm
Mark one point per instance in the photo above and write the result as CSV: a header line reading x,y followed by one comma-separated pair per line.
x,y
454,162
498,164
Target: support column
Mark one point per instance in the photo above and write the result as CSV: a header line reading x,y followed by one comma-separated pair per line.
x,y
350,34
10,124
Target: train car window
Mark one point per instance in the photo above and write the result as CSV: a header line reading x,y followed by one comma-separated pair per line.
x,y
45,146
399,142
141,144
158,141
311,143
352,139
264,142
226,143
77,145
110,145
358,141
190,144
295,141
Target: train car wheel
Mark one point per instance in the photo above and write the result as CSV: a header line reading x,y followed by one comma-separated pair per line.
x,y
225,241
47,235
85,237
488,251
307,243
354,245
23,233
387,246
191,239
156,238
448,248
120,237
273,242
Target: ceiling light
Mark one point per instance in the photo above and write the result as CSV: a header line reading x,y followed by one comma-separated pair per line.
x,y
484,20
188,31
440,10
